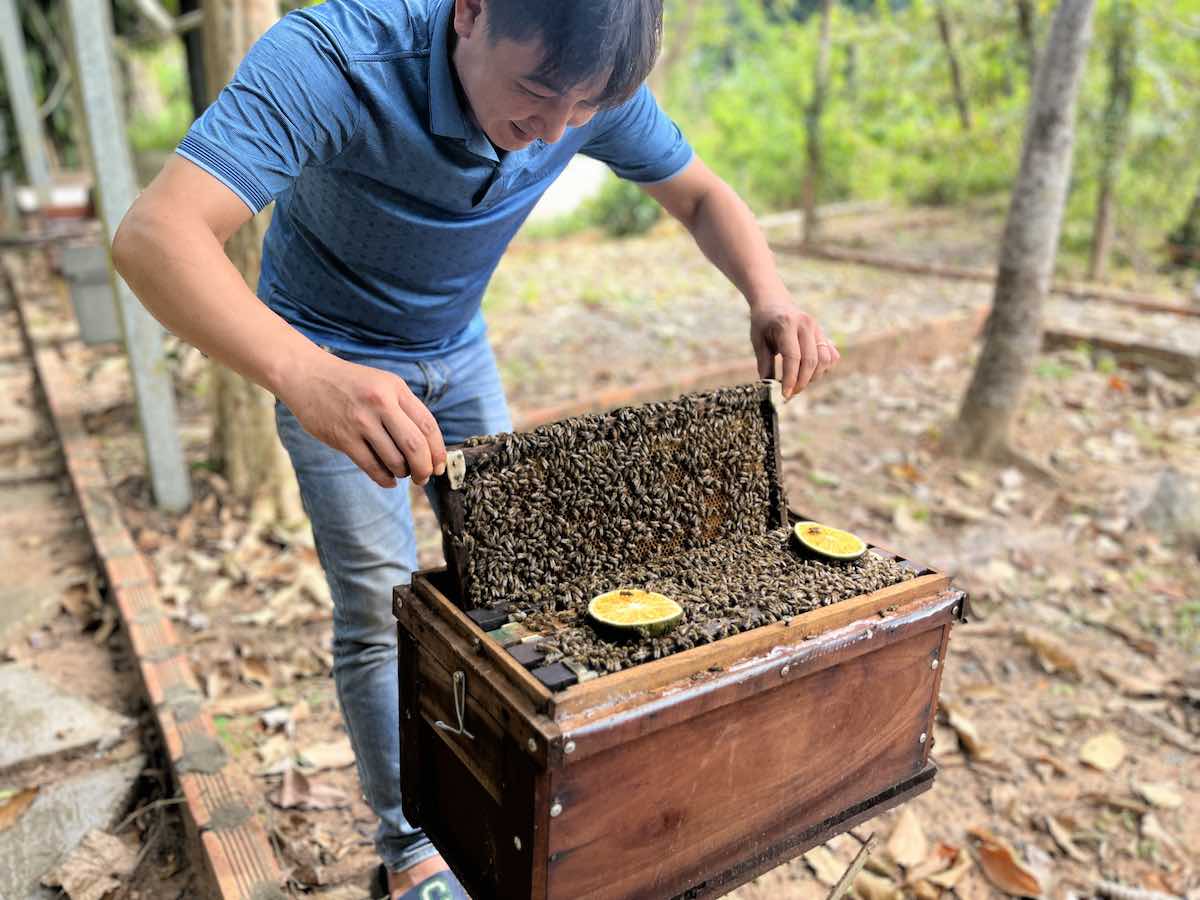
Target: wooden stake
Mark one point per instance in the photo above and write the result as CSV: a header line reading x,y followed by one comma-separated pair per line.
x,y
860,860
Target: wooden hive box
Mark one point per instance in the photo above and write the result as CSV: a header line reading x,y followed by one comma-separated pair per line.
x,y
683,776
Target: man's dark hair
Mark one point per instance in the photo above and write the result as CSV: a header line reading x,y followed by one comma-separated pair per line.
x,y
583,38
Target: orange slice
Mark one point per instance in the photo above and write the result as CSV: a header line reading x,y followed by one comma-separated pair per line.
x,y
829,542
635,610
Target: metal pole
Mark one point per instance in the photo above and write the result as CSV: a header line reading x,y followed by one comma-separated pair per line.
x,y
8,193
112,166
20,95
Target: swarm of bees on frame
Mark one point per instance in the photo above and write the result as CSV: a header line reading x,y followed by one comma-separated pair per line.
x,y
680,498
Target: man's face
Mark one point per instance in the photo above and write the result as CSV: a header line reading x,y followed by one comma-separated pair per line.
x,y
507,100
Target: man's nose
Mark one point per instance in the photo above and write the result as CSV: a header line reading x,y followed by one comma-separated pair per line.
x,y
552,123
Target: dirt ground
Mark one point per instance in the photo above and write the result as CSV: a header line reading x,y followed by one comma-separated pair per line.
x,y
1069,735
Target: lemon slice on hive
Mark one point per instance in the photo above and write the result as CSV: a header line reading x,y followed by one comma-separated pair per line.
x,y
829,542
635,610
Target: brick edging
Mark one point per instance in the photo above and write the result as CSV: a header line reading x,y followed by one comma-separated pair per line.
x,y
223,808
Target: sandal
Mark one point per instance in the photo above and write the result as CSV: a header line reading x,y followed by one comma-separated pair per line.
x,y
440,886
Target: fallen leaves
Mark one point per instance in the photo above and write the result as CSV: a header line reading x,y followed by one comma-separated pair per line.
x,y
949,878
968,734
93,868
1052,654
1000,864
336,754
1104,752
243,704
297,791
1161,794
13,803
908,844
937,862
824,864
875,887
1063,838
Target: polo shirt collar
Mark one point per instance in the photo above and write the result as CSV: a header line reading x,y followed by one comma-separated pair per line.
x,y
446,114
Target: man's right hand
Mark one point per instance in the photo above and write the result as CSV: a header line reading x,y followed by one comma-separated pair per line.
x,y
169,249
368,414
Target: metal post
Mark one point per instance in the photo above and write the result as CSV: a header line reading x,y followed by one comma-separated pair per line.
x,y
112,166
8,187
20,94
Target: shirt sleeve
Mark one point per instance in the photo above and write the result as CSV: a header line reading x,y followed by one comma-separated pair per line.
x,y
290,105
638,141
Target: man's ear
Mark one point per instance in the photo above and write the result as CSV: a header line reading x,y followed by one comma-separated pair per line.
x,y
467,15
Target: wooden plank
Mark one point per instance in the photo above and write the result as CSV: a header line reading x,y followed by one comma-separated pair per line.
x,y
712,787
479,641
410,759
472,832
515,712
481,752
779,505
595,731
793,845
649,676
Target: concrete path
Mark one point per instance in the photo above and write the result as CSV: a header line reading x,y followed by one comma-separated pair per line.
x,y
53,743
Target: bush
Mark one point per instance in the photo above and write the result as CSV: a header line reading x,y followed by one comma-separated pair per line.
x,y
621,208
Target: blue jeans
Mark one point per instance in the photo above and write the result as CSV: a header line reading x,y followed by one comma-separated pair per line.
x,y
365,542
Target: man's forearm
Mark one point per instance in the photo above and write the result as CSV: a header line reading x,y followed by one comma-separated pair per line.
x,y
726,231
179,270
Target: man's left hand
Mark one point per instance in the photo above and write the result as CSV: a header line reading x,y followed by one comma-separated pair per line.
x,y
779,328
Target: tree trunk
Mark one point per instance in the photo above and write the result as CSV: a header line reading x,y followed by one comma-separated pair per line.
x,y
193,45
812,122
956,80
850,71
244,441
1026,27
1013,332
676,40
1122,64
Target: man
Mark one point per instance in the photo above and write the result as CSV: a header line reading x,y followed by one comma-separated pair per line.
x,y
403,143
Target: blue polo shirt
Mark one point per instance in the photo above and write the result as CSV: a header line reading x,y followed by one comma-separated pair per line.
x,y
392,208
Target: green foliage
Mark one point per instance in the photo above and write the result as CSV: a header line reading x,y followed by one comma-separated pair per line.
x,y
165,68
891,130
620,208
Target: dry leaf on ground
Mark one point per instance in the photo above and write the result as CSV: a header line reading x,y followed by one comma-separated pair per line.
x,y
1062,837
825,865
1151,685
1161,794
243,704
942,857
968,734
330,755
907,844
1002,868
1051,653
298,792
93,868
872,887
13,804
950,878
1153,830
1104,752
256,669
276,754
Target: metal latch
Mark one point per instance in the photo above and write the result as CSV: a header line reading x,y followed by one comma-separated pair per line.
x,y
460,706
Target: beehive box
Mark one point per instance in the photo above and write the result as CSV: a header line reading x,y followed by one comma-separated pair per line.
x,y
795,699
